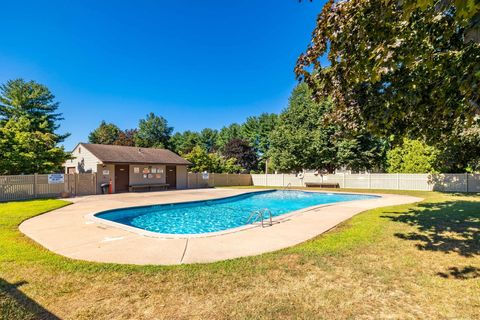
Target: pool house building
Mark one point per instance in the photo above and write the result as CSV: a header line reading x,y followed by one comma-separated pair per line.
x,y
129,168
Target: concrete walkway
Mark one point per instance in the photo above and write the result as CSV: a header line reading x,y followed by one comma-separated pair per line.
x,y
70,231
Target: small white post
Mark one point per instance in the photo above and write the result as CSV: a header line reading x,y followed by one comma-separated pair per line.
x,y
398,181
369,181
35,182
344,181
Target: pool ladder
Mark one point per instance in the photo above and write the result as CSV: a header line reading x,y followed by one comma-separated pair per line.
x,y
260,215
289,185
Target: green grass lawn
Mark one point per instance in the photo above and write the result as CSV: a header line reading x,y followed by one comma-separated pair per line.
x,y
410,261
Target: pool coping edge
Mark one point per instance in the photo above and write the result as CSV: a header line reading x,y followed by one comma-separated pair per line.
x,y
275,220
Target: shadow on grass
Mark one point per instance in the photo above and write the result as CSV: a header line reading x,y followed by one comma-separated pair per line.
x,y
465,273
450,227
16,305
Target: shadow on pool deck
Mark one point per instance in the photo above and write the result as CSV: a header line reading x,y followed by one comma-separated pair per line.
x,y
14,304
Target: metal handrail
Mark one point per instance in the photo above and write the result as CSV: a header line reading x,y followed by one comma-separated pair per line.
x,y
269,216
288,186
256,215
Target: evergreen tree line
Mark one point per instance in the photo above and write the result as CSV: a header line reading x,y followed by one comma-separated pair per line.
x,y
235,148
300,137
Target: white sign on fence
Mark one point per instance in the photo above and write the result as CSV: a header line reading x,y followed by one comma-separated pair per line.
x,y
55,178
205,175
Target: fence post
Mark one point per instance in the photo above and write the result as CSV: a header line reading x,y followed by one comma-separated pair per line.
x,y
398,181
94,178
369,181
466,181
344,181
228,180
283,179
35,182
75,183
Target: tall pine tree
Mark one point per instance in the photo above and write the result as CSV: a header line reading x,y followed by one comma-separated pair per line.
x,y
29,120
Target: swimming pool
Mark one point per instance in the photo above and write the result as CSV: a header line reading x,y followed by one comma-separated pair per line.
x,y
216,215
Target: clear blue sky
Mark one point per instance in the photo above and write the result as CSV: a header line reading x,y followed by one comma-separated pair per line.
x,y
197,63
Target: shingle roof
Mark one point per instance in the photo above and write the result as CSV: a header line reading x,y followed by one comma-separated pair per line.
x,y
122,154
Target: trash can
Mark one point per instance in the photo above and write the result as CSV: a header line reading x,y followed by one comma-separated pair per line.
x,y
104,187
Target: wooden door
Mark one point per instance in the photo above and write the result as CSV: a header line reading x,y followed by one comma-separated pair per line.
x,y
171,177
122,179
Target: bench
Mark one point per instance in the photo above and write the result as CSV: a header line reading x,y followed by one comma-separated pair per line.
x,y
134,187
322,185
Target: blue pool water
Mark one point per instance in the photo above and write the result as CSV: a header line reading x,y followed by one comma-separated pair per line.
x,y
220,214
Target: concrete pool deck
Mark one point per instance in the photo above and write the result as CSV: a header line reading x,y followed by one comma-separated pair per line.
x,y
70,231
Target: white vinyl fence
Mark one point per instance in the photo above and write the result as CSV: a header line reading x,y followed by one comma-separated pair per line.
x,y
448,182
199,180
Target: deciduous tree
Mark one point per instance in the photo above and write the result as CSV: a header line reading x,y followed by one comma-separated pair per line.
x,y
126,138
228,133
211,162
244,154
105,133
257,130
184,142
412,73
303,140
462,153
153,132
412,156
208,139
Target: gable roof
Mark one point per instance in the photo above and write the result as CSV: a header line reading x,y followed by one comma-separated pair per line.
x,y
122,154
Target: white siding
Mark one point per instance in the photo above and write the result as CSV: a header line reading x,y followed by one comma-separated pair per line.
x,y
83,161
